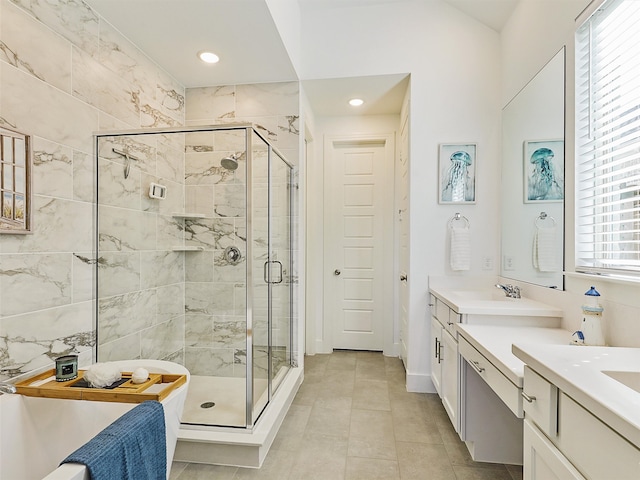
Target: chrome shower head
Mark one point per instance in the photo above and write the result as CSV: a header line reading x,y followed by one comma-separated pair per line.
x,y
230,162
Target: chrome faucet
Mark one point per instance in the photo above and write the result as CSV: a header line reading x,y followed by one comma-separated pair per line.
x,y
511,291
7,388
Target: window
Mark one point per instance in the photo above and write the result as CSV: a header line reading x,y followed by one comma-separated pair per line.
x,y
608,140
14,182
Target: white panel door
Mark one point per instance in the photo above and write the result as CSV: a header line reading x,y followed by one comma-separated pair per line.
x,y
358,247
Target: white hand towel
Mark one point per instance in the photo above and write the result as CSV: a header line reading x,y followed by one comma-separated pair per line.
x,y
544,249
460,248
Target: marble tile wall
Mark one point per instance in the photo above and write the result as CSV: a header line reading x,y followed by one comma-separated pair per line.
x,y
140,276
65,73
215,329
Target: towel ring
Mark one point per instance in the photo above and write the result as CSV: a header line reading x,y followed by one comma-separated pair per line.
x,y
458,217
542,217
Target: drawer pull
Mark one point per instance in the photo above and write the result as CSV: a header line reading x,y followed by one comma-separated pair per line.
x,y
476,366
528,398
449,323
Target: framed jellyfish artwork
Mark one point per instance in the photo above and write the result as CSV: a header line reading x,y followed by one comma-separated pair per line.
x,y
457,173
543,171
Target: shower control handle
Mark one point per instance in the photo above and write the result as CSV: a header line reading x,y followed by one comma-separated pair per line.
x,y
337,272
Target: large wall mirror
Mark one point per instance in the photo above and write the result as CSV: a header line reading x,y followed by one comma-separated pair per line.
x,y
533,179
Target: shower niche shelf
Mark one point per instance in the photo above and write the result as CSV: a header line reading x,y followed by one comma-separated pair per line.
x,y
187,249
188,215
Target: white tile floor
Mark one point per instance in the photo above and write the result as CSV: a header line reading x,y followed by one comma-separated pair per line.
x,y
353,419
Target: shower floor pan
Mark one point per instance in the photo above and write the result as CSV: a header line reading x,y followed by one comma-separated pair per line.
x,y
219,445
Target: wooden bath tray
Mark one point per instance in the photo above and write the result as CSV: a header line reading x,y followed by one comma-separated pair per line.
x,y
157,387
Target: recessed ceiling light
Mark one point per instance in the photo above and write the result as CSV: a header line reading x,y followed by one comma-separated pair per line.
x,y
356,102
208,57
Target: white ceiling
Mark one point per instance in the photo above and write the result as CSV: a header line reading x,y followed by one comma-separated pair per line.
x,y
493,13
172,32
382,94
243,34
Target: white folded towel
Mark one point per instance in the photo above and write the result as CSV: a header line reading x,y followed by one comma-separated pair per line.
x,y
460,256
544,249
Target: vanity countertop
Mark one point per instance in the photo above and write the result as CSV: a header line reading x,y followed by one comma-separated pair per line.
x,y
492,301
495,342
578,371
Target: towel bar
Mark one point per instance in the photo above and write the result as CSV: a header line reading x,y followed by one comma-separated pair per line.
x,y
542,217
458,217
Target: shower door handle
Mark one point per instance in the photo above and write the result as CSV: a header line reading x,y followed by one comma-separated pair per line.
x,y
279,271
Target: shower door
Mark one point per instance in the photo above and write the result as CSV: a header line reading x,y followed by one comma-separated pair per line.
x,y
269,347
258,278
167,287
280,248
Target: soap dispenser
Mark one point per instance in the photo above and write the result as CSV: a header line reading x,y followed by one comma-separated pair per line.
x,y
591,326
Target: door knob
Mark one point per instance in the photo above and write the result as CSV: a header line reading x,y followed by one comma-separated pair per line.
x,y
337,272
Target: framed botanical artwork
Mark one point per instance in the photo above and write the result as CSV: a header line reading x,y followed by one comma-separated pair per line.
x,y
543,164
457,173
15,182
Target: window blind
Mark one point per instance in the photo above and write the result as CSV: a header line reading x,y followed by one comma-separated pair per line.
x,y
608,140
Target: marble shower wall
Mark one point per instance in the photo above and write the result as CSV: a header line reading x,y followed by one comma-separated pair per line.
x,y
215,291
65,73
140,272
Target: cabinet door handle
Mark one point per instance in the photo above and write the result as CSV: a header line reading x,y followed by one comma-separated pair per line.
x,y
528,398
436,348
440,359
476,366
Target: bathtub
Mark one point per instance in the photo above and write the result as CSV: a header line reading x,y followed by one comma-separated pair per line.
x,y
36,434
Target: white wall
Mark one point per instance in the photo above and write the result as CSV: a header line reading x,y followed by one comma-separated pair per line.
x,y
454,63
286,16
534,33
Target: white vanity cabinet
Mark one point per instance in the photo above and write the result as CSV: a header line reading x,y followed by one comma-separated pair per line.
x,y
542,460
445,363
436,359
450,373
449,308
491,383
564,440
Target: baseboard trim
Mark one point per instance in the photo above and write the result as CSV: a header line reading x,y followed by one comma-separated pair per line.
x,y
420,383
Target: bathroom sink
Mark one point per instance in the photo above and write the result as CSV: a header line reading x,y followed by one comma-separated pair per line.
x,y
628,379
493,301
483,295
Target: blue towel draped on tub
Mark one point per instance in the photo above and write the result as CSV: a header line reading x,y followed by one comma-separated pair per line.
x,y
134,447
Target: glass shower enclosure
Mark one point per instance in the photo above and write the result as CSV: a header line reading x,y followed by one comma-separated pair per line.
x,y
194,262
